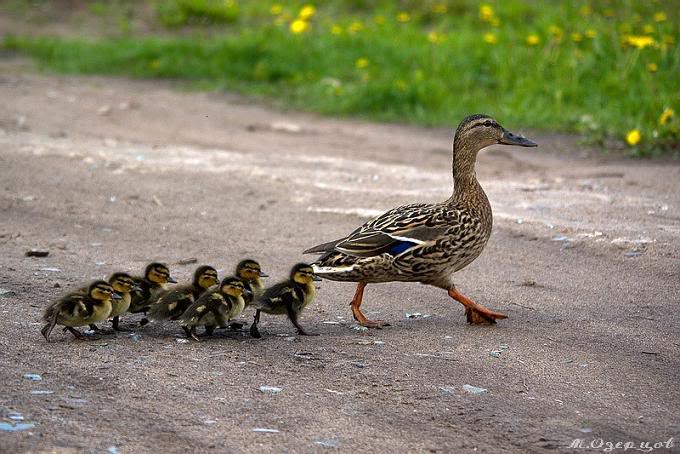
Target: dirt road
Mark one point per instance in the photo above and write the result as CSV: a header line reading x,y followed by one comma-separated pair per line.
x,y
110,174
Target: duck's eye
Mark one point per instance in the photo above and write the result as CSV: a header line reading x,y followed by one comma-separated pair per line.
x,y
488,123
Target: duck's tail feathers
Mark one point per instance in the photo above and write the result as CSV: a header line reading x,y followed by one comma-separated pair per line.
x,y
325,247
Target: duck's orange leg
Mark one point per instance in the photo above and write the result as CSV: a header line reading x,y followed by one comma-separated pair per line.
x,y
358,315
476,313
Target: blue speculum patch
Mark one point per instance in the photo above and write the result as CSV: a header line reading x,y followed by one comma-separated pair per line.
x,y
401,246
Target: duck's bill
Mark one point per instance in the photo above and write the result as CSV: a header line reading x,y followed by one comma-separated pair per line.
x,y
316,278
172,280
116,296
510,138
247,292
137,288
263,274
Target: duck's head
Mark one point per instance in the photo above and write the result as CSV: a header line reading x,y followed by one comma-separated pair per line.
x,y
158,273
102,291
249,270
480,130
205,276
232,286
303,273
122,283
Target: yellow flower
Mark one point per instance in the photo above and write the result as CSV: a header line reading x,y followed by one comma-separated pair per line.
x,y
576,37
336,29
403,17
660,16
362,63
276,9
533,39
435,38
639,41
486,13
648,29
299,26
590,33
356,27
652,67
440,8
307,12
633,137
490,38
556,32
666,115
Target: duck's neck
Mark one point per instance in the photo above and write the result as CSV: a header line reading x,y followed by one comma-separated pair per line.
x,y
465,184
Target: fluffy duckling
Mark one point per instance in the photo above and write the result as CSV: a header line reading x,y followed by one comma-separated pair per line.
x,y
156,278
289,297
250,272
215,307
123,284
80,309
171,304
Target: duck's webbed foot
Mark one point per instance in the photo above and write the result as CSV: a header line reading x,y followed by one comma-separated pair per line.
x,y
358,315
78,335
476,314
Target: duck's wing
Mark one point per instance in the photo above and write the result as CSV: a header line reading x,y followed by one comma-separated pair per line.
x,y
398,230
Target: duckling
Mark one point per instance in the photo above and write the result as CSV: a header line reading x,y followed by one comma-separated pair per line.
x,y
123,284
422,242
171,304
289,297
156,278
250,272
80,309
215,307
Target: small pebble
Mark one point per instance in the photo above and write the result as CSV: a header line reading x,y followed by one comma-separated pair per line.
x,y
265,431
270,389
475,390
33,377
330,443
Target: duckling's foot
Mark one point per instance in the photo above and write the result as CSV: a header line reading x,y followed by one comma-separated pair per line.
x,y
78,335
144,321
476,314
254,332
99,330
236,326
117,327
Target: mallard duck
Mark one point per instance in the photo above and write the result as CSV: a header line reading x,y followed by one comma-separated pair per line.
x,y
425,243
288,297
215,307
156,278
250,273
171,304
80,309
122,284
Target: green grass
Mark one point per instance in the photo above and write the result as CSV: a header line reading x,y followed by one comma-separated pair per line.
x,y
425,62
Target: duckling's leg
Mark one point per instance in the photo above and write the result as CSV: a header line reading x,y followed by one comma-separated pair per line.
x,y
209,330
191,332
116,325
476,313
78,335
293,316
358,315
253,328
47,329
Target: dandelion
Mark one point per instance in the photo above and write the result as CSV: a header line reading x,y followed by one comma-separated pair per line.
x,y
660,17
576,37
403,17
299,26
276,9
666,116
639,41
336,29
361,63
556,32
486,13
533,39
652,67
633,137
440,8
590,33
648,29
355,27
307,12
435,38
490,38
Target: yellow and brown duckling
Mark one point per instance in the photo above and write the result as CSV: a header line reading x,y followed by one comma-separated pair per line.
x,y
289,297
80,309
215,308
250,273
423,242
156,278
123,284
171,304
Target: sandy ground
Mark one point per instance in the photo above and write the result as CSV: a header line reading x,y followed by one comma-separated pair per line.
x,y
110,174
